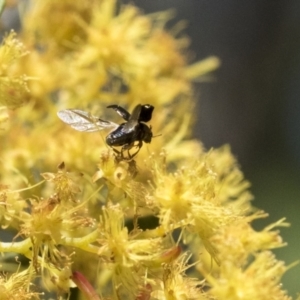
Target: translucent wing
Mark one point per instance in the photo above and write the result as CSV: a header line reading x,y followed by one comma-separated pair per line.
x,y
83,121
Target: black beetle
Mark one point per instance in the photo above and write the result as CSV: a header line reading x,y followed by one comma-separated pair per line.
x,y
124,135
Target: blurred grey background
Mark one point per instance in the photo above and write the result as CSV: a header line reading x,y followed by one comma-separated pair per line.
x,y
253,100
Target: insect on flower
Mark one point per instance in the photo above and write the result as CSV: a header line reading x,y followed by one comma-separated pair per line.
x,y
127,135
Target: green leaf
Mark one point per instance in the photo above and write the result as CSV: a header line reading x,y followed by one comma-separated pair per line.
x,y
2,4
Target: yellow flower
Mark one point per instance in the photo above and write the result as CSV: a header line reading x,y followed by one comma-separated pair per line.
x,y
175,284
18,287
11,206
13,87
65,183
237,241
40,26
259,280
189,197
4,117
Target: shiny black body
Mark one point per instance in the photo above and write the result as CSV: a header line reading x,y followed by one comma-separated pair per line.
x,y
123,136
132,131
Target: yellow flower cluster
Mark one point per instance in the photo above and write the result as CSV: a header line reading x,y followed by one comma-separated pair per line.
x,y
118,229
16,287
13,85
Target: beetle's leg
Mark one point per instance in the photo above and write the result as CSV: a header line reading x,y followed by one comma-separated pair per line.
x,y
128,151
118,154
121,155
139,146
127,148
116,151
121,111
